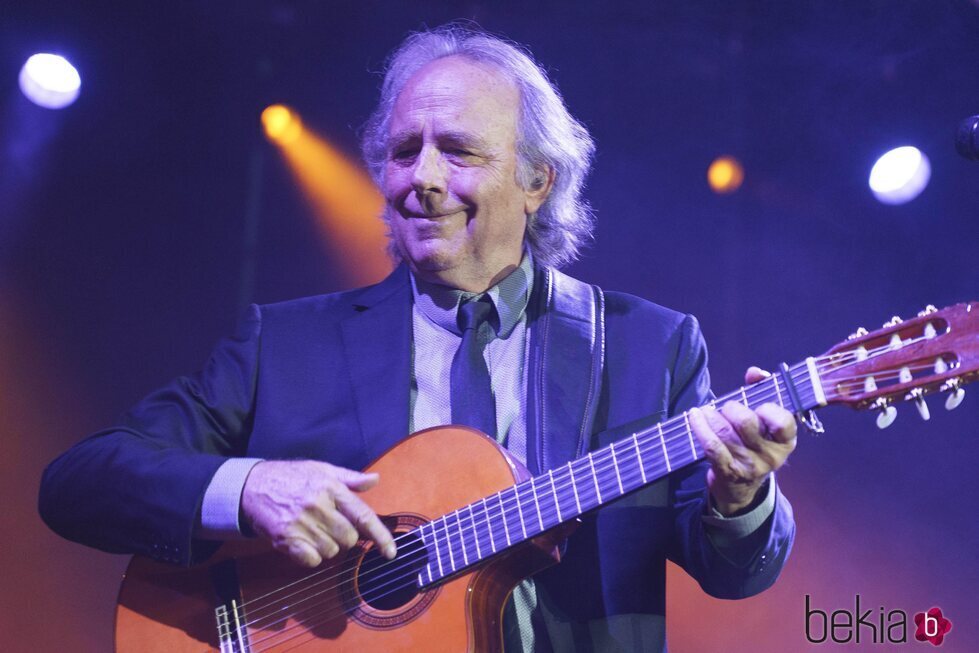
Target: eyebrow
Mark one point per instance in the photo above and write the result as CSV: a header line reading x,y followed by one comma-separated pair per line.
x,y
452,137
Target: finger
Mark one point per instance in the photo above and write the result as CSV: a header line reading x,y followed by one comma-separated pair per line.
x,y
779,423
756,374
743,422
324,543
366,521
357,481
715,450
300,551
339,528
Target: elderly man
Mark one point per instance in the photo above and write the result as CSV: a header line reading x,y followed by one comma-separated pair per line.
x,y
481,166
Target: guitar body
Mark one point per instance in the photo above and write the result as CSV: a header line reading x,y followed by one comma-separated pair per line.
x,y
433,472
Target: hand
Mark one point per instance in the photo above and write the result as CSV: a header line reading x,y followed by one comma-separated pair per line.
x,y
743,446
309,510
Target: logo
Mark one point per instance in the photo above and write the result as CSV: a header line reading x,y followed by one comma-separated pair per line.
x,y
880,626
932,626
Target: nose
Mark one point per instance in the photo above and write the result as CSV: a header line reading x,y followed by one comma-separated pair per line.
x,y
428,177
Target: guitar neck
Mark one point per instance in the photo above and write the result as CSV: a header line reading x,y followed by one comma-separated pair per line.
x,y
461,539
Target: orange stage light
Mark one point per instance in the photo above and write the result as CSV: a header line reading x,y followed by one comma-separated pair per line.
x,y
348,205
725,175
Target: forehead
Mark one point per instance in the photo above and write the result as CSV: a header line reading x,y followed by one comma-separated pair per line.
x,y
455,93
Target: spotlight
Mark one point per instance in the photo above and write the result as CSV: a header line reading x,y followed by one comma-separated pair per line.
x,y
282,125
49,81
900,175
725,175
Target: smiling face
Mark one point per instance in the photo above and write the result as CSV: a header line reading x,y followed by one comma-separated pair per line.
x,y
455,210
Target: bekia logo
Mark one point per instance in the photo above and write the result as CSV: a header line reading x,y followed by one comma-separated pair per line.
x,y
878,626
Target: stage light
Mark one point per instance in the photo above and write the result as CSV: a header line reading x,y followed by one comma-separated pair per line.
x,y
900,175
282,124
49,81
343,197
725,175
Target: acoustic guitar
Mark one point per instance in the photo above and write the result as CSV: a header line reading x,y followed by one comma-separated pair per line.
x,y
476,523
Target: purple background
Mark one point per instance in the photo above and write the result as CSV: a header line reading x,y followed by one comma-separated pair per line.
x,y
122,220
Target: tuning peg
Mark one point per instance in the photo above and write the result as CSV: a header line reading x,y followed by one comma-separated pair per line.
x,y
927,310
956,395
886,417
894,321
919,402
859,333
954,399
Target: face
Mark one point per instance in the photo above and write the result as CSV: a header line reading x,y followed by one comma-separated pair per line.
x,y
455,210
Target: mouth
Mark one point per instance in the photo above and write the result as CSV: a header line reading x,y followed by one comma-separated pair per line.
x,y
430,216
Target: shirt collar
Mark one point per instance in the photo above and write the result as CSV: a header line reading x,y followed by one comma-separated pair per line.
x,y
440,304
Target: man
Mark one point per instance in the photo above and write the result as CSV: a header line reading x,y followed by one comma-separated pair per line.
x,y
481,167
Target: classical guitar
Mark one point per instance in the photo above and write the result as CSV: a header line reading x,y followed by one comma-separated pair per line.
x,y
475,522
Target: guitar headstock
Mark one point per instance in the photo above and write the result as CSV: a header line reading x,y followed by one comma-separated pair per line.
x,y
937,351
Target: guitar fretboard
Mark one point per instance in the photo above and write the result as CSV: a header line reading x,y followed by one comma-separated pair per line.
x,y
463,538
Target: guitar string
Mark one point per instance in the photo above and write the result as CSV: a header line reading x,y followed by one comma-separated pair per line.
x,y
472,530
466,530
406,581
508,502
547,513
801,372
651,441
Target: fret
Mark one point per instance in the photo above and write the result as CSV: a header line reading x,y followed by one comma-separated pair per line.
x,y
472,521
598,490
686,420
435,545
574,487
557,503
523,525
615,465
448,542
533,490
489,526
462,539
744,398
642,467
662,443
778,392
506,527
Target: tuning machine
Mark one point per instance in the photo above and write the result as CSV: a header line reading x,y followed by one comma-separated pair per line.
x,y
887,413
956,395
918,395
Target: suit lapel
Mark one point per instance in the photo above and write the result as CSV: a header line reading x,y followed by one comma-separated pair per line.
x,y
377,343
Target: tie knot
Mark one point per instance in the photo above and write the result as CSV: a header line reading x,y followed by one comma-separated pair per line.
x,y
475,312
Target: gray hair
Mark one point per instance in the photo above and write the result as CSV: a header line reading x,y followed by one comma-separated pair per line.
x,y
547,134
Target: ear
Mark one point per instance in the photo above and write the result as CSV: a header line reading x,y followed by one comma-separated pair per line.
x,y
540,188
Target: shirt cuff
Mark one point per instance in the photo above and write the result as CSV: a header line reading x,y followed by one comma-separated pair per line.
x,y
222,500
735,528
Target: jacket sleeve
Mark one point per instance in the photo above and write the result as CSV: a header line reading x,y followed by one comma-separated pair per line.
x,y
137,487
724,567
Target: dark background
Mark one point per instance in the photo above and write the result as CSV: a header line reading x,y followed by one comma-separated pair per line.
x,y
122,220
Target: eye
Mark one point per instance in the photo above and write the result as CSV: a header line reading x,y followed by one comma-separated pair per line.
x,y
405,154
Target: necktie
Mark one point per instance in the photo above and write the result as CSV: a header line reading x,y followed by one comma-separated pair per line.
x,y
469,390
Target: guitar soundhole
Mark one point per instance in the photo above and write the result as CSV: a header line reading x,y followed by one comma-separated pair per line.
x,y
389,584
384,593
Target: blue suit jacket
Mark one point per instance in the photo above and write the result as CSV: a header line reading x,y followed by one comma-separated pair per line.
x,y
328,377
